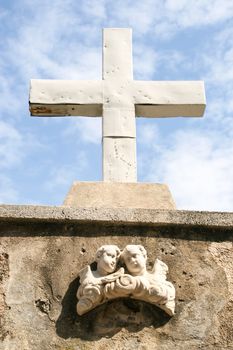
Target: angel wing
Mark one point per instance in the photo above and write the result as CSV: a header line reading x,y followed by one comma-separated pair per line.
x,y
160,270
85,274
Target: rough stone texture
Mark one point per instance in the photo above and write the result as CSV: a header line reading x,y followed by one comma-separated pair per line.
x,y
119,195
116,216
42,249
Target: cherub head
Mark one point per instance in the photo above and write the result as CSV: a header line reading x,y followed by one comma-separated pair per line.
x,y
106,258
134,257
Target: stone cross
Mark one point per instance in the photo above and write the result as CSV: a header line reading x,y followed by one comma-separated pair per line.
x,y
118,98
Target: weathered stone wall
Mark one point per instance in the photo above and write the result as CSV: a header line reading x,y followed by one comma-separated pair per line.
x,y
42,249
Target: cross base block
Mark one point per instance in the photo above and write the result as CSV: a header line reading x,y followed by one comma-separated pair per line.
x,y
119,195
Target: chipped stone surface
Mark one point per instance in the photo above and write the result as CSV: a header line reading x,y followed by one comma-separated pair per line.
x,y
129,216
52,92
42,249
118,98
4,274
119,156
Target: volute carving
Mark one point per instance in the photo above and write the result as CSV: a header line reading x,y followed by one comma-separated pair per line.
x,y
131,280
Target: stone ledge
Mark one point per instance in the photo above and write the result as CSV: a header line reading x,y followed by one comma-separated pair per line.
x,y
150,217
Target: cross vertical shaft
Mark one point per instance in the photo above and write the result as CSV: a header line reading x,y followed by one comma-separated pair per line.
x,y
119,134
118,98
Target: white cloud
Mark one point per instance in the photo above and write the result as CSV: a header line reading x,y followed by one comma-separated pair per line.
x,y
147,134
60,177
39,48
11,145
141,15
145,61
3,12
198,171
162,17
86,129
10,92
94,8
197,12
218,67
16,146
8,193
181,14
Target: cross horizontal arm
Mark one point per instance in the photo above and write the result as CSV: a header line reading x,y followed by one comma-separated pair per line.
x,y
169,98
66,97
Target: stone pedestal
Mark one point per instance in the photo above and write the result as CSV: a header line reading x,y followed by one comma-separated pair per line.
x,y
119,195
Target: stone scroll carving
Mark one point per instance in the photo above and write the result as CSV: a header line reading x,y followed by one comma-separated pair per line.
x,y
132,280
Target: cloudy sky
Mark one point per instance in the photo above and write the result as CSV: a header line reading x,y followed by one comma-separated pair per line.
x,y
62,39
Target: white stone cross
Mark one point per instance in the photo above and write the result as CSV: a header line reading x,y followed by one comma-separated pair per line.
x,y
118,98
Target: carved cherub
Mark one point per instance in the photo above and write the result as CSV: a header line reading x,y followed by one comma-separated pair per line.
x,y
135,257
150,286
105,283
106,257
90,292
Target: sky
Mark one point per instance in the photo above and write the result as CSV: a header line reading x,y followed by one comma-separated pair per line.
x,y
62,39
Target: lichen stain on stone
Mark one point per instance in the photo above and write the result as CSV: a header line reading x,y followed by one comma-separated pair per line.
x,y
225,328
43,305
37,110
223,256
4,274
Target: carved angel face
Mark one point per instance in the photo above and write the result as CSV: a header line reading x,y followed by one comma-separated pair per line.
x,y
135,259
107,261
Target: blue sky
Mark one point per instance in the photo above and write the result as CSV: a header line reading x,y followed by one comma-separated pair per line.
x,y
62,39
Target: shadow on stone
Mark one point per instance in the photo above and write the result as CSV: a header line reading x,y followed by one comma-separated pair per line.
x,y
174,231
107,319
